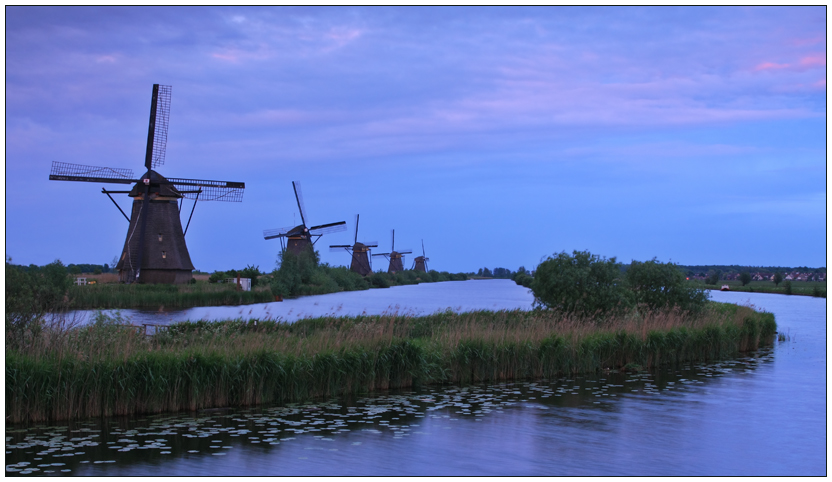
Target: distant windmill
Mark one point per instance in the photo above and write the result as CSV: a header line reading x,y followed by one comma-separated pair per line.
x,y
299,237
420,263
154,250
360,259
394,256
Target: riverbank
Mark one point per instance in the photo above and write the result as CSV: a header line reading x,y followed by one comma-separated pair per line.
x,y
799,288
166,297
142,296
108,369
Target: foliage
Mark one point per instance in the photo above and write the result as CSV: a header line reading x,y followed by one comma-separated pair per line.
x,y
778,278
745,278
30,295
581,283
298,274
788,286
713,277
662,286
252,272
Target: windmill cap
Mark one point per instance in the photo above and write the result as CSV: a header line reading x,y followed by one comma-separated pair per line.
x,y
167,190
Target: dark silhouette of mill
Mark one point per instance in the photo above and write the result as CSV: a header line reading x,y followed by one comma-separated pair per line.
x,y
299,238
154,250
394,256
420,263
359,252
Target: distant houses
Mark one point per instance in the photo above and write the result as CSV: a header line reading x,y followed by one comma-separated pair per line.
x,y
765,276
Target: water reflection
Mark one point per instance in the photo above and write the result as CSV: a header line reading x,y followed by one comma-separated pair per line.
x,y
438,430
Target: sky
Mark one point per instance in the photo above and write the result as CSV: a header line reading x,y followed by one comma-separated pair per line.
x,y
498,136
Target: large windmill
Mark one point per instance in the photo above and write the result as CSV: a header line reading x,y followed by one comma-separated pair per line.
x,y
394,256
359,251
299,237
154,249
420,263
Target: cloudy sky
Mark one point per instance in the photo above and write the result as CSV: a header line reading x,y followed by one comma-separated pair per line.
x,y
499,136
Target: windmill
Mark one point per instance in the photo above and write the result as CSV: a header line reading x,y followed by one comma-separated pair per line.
x,y
360,259
299,237
420,263
154,249
394,256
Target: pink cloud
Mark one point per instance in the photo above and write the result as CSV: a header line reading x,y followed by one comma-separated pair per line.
x,y
770,66
807,62
813,60
807,41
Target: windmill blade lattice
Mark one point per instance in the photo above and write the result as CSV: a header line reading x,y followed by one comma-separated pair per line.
x,y
299,198
64,171
276,233
329,228
158,129
210,190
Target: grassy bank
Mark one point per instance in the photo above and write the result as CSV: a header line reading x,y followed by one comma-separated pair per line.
x,y
106,369
116,296
802,288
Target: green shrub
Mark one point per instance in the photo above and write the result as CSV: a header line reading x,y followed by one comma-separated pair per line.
x,y
581,283
30,295
379,280
662,285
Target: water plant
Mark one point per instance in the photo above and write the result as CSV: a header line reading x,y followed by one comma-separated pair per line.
x,y
110,368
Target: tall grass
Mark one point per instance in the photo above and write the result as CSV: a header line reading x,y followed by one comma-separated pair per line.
x,y
112,296
107,369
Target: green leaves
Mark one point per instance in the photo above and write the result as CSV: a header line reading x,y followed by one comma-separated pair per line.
x,y
581,283
589,285
661,286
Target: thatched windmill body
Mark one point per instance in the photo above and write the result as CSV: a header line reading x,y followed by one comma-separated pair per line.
x,y
394,256
296,239
359,252
154,250
420,263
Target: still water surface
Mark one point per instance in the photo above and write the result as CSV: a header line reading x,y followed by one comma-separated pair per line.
x,y
763,414
421,299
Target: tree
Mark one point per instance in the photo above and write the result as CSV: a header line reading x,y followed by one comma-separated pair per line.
x,y
581,283
778,278
745,278
30,294
713,277
487,273
662,286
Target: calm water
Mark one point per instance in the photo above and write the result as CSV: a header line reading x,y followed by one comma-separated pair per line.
x,y
421,299
763,414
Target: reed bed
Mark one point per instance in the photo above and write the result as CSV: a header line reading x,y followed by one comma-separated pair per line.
x,y
114,296
108,369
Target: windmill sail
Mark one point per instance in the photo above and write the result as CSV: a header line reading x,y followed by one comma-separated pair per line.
x,y
299,199
328,228
277,233
64,171
209,190
157,131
